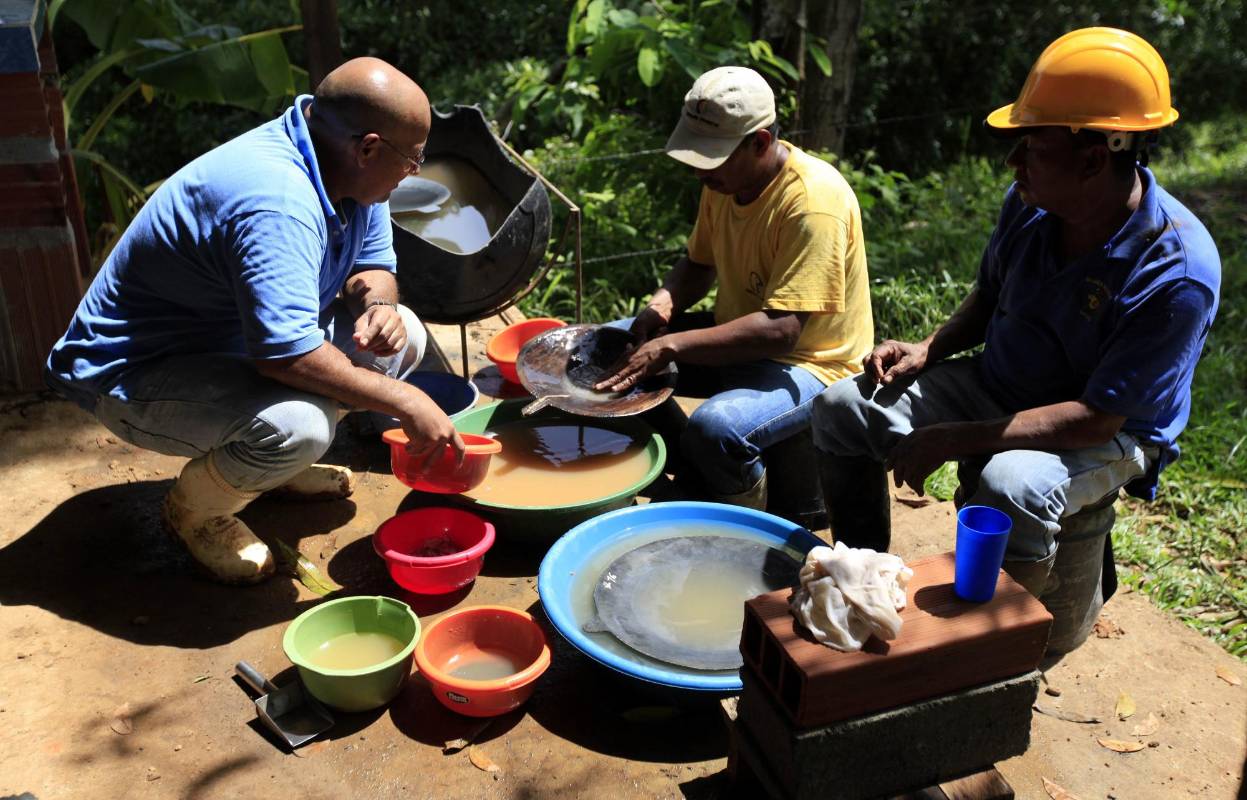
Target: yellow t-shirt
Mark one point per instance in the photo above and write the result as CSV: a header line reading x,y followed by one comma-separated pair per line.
x,y
797,247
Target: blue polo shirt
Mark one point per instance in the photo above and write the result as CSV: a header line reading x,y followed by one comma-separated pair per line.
x,y
239,252
1120,328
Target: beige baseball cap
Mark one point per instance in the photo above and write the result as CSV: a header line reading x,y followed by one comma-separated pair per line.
x,y
724,106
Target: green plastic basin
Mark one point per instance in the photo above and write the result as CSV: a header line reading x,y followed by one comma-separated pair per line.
x,y
353,689
545,524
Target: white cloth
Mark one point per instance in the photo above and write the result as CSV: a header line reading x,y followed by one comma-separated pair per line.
x,y
848,594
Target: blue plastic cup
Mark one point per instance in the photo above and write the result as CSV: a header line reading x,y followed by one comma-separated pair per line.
x,y
982,533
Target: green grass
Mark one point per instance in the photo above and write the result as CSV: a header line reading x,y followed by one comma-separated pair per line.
x,y
1186,550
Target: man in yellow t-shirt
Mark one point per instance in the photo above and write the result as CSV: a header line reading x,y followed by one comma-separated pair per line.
x,y
781,233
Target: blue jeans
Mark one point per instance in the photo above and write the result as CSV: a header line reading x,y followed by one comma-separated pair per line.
x,y
1035,488
748,408
261,432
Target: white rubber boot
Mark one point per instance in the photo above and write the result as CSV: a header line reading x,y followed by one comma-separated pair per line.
x,y
754,498
200,511
323,481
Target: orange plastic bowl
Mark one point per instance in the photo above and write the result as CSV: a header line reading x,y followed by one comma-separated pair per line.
x,y
434,550
504,348
443,476
481,637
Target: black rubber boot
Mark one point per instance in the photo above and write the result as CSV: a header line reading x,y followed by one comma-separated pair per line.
x,y
858,499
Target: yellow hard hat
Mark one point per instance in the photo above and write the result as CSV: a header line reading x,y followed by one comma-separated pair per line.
x,y
1103,79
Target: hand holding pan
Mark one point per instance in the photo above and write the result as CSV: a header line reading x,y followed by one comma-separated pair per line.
x,y
560,367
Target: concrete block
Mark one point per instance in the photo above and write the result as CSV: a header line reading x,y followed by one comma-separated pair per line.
x,y
893,751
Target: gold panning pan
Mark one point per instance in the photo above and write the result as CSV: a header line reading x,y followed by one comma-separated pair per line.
x,y
560,366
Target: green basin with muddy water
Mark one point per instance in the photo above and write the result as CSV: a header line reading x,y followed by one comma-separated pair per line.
x,y
557,470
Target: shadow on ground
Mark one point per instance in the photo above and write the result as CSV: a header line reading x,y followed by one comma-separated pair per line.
x,y
103,559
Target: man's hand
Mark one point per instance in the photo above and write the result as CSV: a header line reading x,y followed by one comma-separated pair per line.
x,y
893,359
648,324
428,430
380,330
919,454
638,364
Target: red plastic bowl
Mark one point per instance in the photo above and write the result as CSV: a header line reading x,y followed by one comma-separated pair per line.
x,y
443,476
463,636
402,537
504,348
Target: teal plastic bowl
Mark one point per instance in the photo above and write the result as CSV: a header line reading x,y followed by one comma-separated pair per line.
x,y
544,524
353,689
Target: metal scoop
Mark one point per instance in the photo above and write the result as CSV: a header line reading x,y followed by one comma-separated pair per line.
x,y
295,717
416,195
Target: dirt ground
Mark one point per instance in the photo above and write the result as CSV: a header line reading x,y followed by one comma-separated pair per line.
x,y
116,671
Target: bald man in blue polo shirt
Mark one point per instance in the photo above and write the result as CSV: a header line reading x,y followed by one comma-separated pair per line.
x,y
252,298
1094,298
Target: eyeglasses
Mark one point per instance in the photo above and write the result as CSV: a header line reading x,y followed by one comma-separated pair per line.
x,y
413,162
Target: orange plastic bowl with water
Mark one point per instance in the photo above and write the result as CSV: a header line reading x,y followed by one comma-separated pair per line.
x,y
434,550
443,475
504,348
470,634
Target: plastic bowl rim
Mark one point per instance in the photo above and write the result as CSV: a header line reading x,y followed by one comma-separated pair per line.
x,y
287,639
525,676
477,550
495,340
573,635
655,469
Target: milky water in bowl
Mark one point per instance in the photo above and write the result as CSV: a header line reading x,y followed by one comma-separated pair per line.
x,y
557,464
468,220
485,664
355,651
702,625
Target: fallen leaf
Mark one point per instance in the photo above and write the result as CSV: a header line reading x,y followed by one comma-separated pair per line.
x,y
482,761
1105,628
1227,675
201,678
455,745
307,572
1067,716
121,723
1120,746
1125,706
644,714
915,502
1147,727
1056,792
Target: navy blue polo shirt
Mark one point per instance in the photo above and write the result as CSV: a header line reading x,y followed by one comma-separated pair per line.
x,y
1120,328
239,252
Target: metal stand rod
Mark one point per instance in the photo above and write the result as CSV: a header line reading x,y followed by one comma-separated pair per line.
x,y
463,349
574,216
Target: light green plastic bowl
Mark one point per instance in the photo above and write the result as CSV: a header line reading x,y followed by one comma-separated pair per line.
x,y
353,689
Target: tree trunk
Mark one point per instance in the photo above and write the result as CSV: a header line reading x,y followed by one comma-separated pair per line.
x,y
822,102
320,32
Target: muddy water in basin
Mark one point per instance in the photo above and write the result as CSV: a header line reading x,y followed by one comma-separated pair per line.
x,y
355,651
468,219
557,464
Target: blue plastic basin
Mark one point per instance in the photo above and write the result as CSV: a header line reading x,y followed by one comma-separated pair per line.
x,y
573,564
452,394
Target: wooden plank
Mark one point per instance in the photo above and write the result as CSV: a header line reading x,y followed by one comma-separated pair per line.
x,y
945,644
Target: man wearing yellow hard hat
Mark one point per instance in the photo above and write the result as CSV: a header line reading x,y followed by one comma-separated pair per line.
x,y
1094,297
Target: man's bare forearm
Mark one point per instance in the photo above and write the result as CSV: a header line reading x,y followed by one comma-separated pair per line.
x,y
369,286
327,371
1070,425
762,334
685,284
965,329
